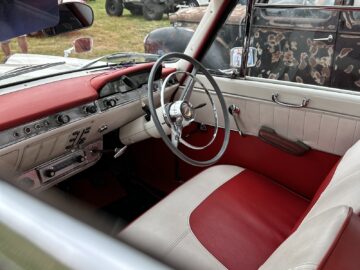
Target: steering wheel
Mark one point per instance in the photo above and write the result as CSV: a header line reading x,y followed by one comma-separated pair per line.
x,y
180,113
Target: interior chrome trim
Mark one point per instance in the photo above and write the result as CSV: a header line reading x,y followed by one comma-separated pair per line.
x,y
45,124
234,110
38,179
304,102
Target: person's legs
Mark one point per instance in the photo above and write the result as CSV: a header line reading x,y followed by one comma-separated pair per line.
x,y
5,46
22,44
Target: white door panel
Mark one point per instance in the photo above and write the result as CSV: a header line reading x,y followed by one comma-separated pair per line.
x,y
321,98
330,123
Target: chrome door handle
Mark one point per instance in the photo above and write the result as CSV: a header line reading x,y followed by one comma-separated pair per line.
x,y
303,104
330,38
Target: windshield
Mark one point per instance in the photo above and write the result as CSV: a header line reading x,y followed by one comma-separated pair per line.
x,y
102,34
73,41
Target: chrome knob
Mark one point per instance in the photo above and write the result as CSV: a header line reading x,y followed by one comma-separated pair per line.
x,y
49,172
90,109
63,119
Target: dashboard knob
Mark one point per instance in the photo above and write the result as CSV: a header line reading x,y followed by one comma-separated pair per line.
x,y
90,109
63,119
49,173
110,102
27,130
37,126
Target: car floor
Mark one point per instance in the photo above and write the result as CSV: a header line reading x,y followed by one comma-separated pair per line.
x,y
108,188
120,188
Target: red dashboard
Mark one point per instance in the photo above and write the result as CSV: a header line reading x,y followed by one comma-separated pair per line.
x,y
33,103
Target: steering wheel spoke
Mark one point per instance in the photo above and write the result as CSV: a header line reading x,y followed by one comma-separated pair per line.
x,y
176,132
189,86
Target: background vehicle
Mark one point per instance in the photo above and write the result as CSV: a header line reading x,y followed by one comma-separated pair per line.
x,y
197,3
185,22
150,9
318,55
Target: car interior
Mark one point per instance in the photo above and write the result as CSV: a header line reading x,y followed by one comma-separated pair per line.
x,y
197,170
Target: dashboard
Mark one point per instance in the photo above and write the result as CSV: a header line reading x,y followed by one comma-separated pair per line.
x,y
52,135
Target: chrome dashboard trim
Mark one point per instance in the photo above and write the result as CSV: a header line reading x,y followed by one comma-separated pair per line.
x,y
42,125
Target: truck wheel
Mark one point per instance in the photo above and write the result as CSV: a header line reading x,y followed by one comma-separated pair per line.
x,y
114,7
152,10
136,11
192,3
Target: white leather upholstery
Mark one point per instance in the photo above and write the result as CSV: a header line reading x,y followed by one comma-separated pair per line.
x,y
164,230
328,132
310,243
344,187
306,247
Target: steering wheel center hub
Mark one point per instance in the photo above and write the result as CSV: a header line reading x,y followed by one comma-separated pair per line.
x,y
182,109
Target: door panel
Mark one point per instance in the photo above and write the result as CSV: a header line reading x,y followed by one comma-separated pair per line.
x,y
323,128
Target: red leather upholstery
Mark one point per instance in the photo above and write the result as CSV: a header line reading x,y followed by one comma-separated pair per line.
x,y
302,174
344,254
246,219
99,81
322,187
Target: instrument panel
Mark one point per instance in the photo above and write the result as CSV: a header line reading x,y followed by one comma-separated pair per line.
x,y
52,148
113,94
22,132
124,84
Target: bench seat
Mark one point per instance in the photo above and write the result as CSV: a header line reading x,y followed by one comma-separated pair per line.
x,y
228,217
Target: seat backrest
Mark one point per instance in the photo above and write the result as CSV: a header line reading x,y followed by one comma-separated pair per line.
x,y
330,240
320,230
343,188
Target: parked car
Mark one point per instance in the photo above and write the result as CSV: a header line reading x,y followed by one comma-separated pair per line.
x,y
150,9
197,3
141,161
184,23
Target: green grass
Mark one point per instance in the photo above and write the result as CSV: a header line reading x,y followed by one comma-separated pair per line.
x,y
110,34
18,253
